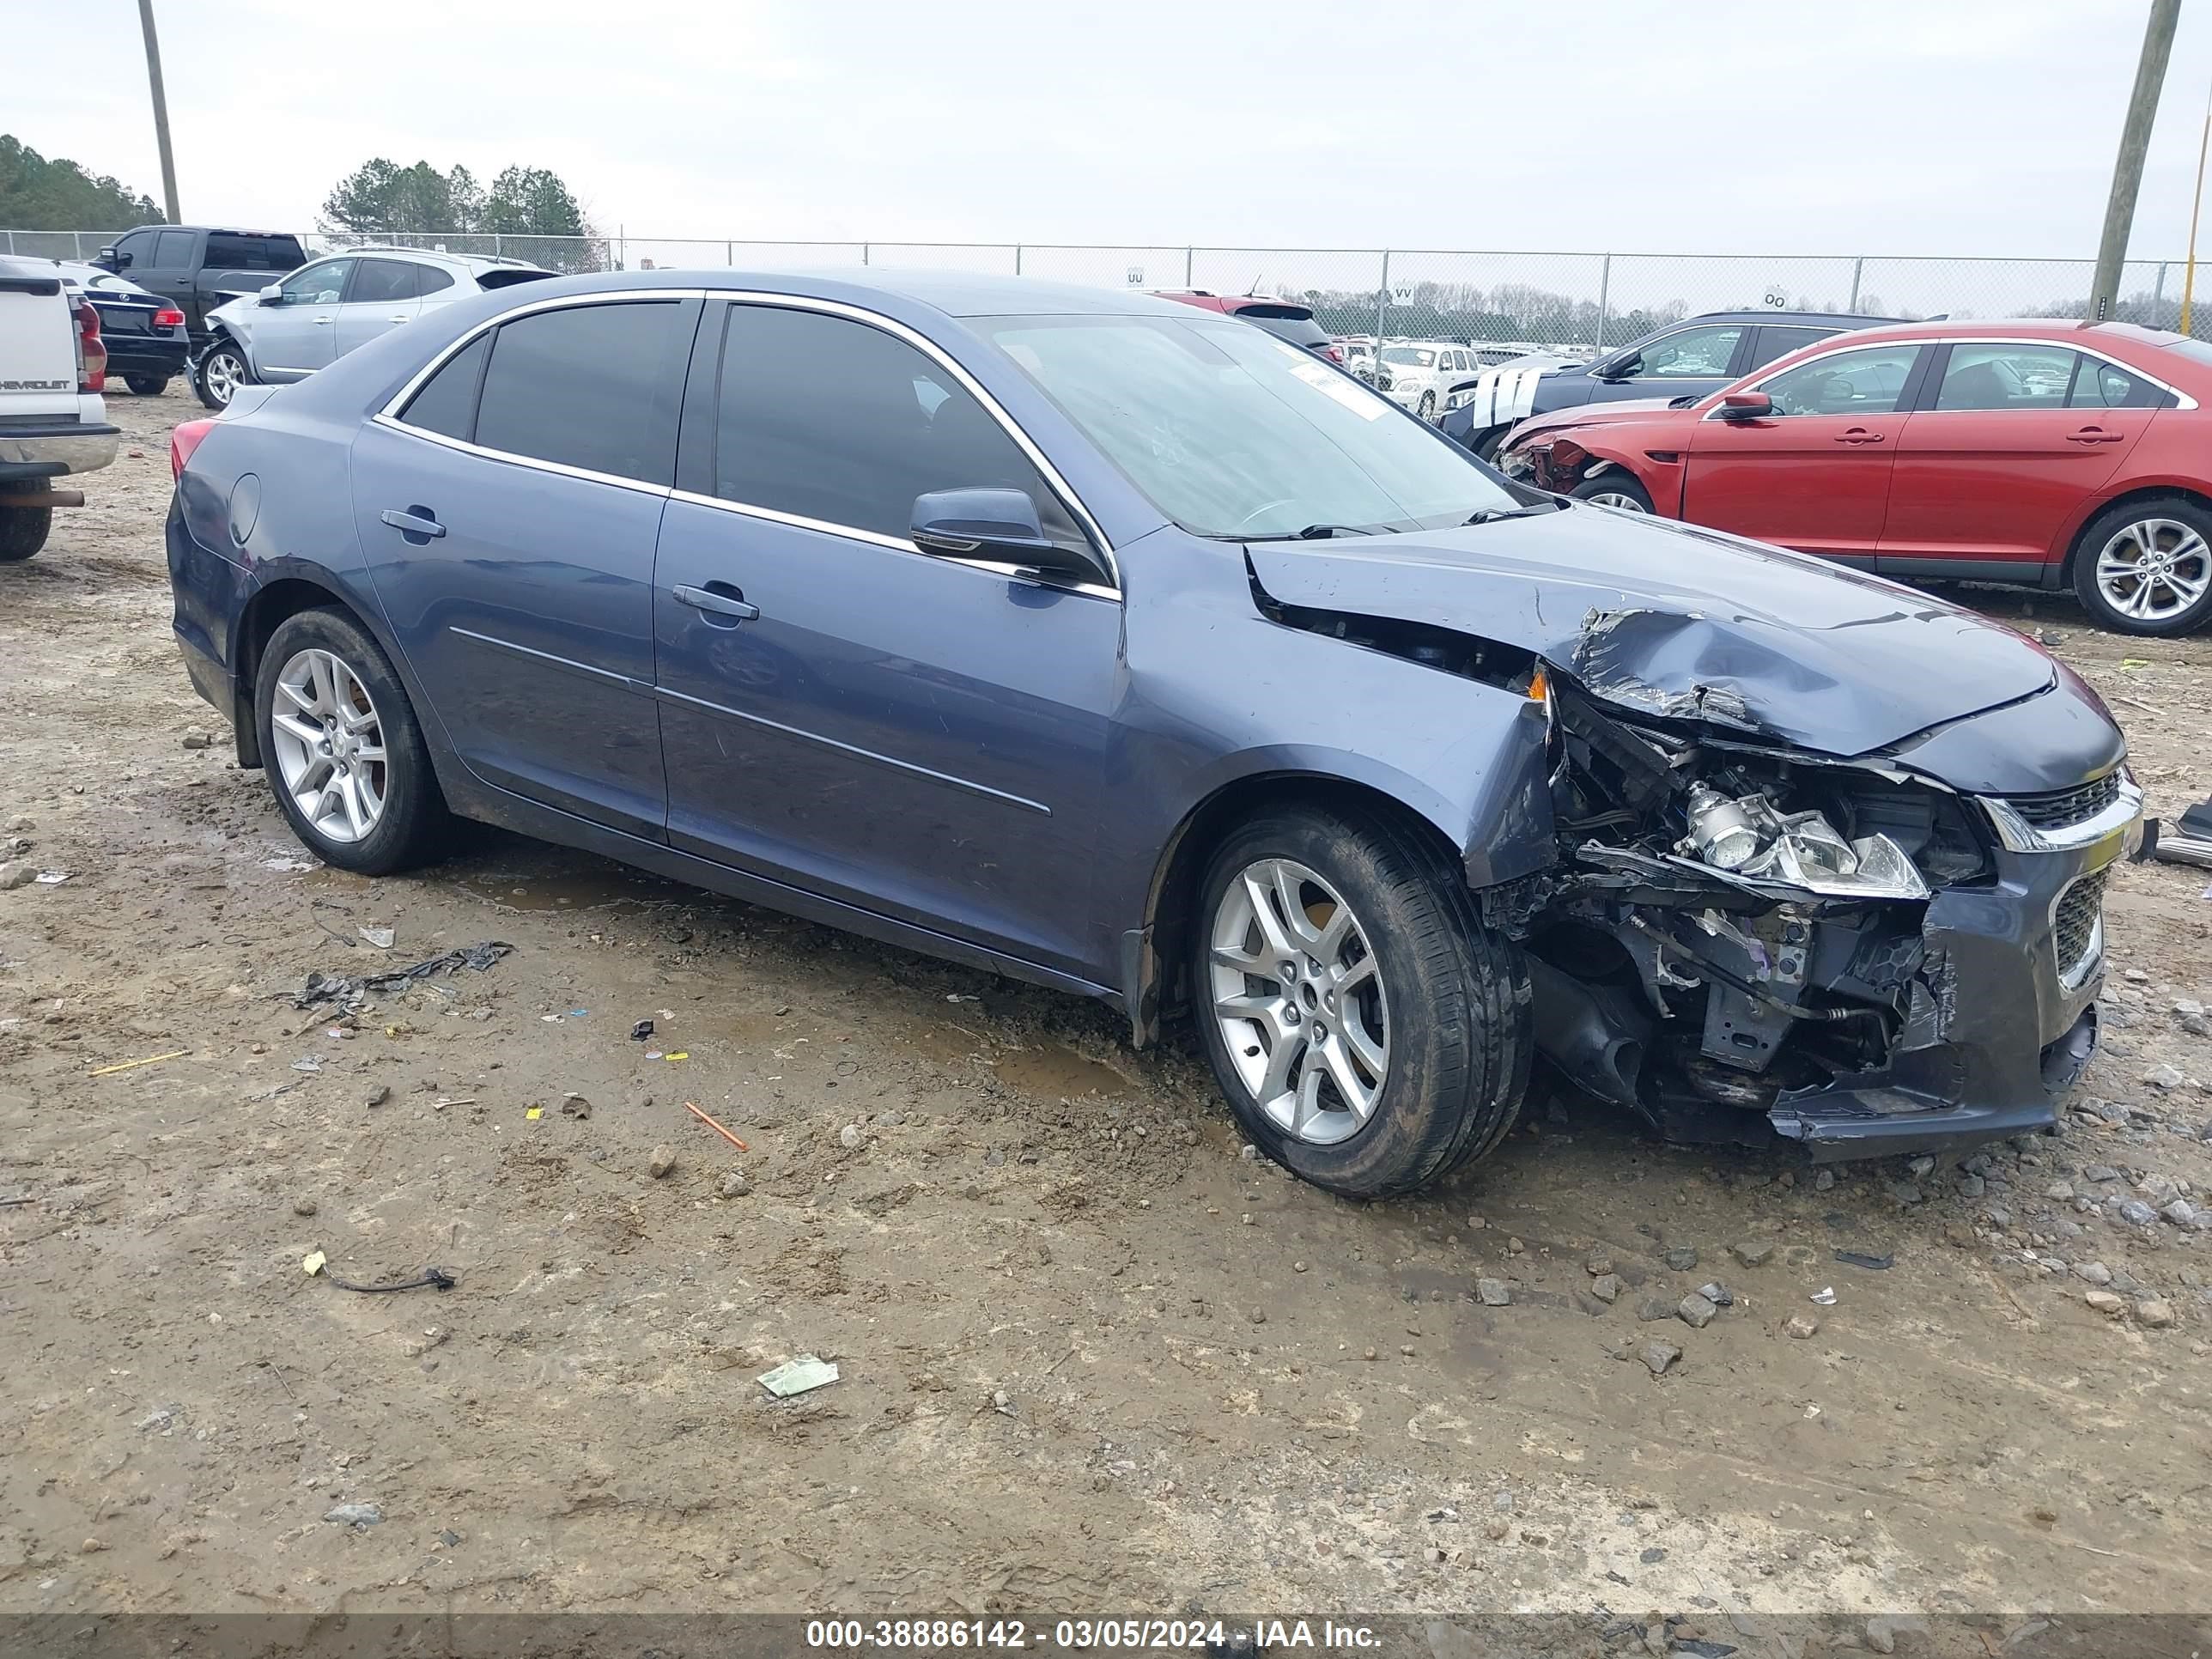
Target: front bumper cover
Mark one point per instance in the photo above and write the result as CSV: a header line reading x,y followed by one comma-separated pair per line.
x,y
2010,1026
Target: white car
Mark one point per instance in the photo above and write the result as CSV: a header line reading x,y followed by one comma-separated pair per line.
x,y
53,421
329,307
1421,373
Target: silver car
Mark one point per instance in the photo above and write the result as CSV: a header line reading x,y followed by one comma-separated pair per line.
x,y
329,307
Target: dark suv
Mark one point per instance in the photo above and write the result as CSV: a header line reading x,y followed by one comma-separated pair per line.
x,y
1686,358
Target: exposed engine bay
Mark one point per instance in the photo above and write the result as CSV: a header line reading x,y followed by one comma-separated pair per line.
x,y
1730,922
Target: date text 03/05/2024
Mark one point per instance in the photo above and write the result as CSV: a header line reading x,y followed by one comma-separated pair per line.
x,y
1192,1634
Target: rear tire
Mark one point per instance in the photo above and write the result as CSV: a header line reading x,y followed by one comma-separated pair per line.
x,y
396,817
2169,534
24,531
1445,1006
218,373
147,385
1428,409
1617,488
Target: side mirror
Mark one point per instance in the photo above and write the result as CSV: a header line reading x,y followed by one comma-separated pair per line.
x,y
1746,406
1618,368
993,524
273,295
109,259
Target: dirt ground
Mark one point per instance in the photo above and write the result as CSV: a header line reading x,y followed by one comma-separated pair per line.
x,y
1093,1358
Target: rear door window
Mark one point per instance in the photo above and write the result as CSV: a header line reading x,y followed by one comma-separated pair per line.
x,y
833,420
1775,342
431,279
1989,377
172,250
381,282
1694,353
594,386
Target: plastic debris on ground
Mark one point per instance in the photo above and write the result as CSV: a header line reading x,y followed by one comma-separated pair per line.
x,y
1866,1259
325,988
379,937
133,1065
643,1029
53,877
798,1376
1826,1296
314,1263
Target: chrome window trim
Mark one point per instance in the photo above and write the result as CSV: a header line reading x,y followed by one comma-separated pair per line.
x,y
389,414
559,468
2017,835
2181,399
891,544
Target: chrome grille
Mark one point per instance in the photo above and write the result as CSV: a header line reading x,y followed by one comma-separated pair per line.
x,y
2075,933
2062,808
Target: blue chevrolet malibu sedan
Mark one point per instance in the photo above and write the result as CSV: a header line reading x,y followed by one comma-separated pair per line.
x,y
1125,649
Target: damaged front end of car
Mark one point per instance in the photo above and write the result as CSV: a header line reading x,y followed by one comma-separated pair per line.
x,y
1742,937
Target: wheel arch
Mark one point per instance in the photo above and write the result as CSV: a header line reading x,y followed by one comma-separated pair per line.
x,y
2138,493
1152,954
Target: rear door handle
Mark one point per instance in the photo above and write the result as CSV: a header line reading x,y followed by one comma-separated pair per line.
x,y
1859,434
719,598
417,523
2093,434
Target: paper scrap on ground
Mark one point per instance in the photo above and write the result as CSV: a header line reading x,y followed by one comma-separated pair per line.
x,y
313,1264
798,1376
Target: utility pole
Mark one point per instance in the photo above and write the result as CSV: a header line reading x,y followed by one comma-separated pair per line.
x,y
2127,171
161,111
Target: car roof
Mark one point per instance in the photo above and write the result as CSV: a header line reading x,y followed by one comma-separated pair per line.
x,y
2012,328
1764,315
954,293
470,261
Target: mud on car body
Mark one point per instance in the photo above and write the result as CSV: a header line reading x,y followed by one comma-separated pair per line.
x,y
1148,658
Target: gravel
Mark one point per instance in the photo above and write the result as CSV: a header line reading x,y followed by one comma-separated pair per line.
x,y
1658,1355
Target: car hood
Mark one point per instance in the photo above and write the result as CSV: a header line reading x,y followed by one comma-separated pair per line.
x,y
1629,409
1672,620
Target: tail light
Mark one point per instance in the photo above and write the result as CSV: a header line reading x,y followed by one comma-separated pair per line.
x,y
91,353
184,439
1334,353
168,318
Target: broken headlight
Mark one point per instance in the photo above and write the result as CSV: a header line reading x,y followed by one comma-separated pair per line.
x,y
1746,836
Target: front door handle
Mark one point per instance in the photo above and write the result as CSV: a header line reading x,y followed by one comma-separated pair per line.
x,y
401,318
324,322
417,523
1859,434
2093,434
720,599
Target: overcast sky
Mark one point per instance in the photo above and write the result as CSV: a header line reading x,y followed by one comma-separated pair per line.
x,y
1943,126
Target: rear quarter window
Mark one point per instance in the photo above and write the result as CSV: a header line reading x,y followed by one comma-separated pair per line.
x,y
230,250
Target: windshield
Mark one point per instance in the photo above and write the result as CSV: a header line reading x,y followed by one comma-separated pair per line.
x,y
1234,434
1410,356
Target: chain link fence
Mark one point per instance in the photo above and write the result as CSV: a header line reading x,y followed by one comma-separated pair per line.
x,y
1576,302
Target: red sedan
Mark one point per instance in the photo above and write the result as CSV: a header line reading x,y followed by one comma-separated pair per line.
x,y
2044,452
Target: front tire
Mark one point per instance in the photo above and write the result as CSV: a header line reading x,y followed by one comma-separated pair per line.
x,y
2145,566
147,385
343,752
1428,409
1371,1033
220,370
1485,447
24,531
1617,488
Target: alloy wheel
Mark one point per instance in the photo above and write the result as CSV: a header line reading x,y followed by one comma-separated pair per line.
x,y
1616,500
329,744
2154,569
221,373
1299,1002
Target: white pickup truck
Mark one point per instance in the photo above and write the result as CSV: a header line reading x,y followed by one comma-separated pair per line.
x,y
53,423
